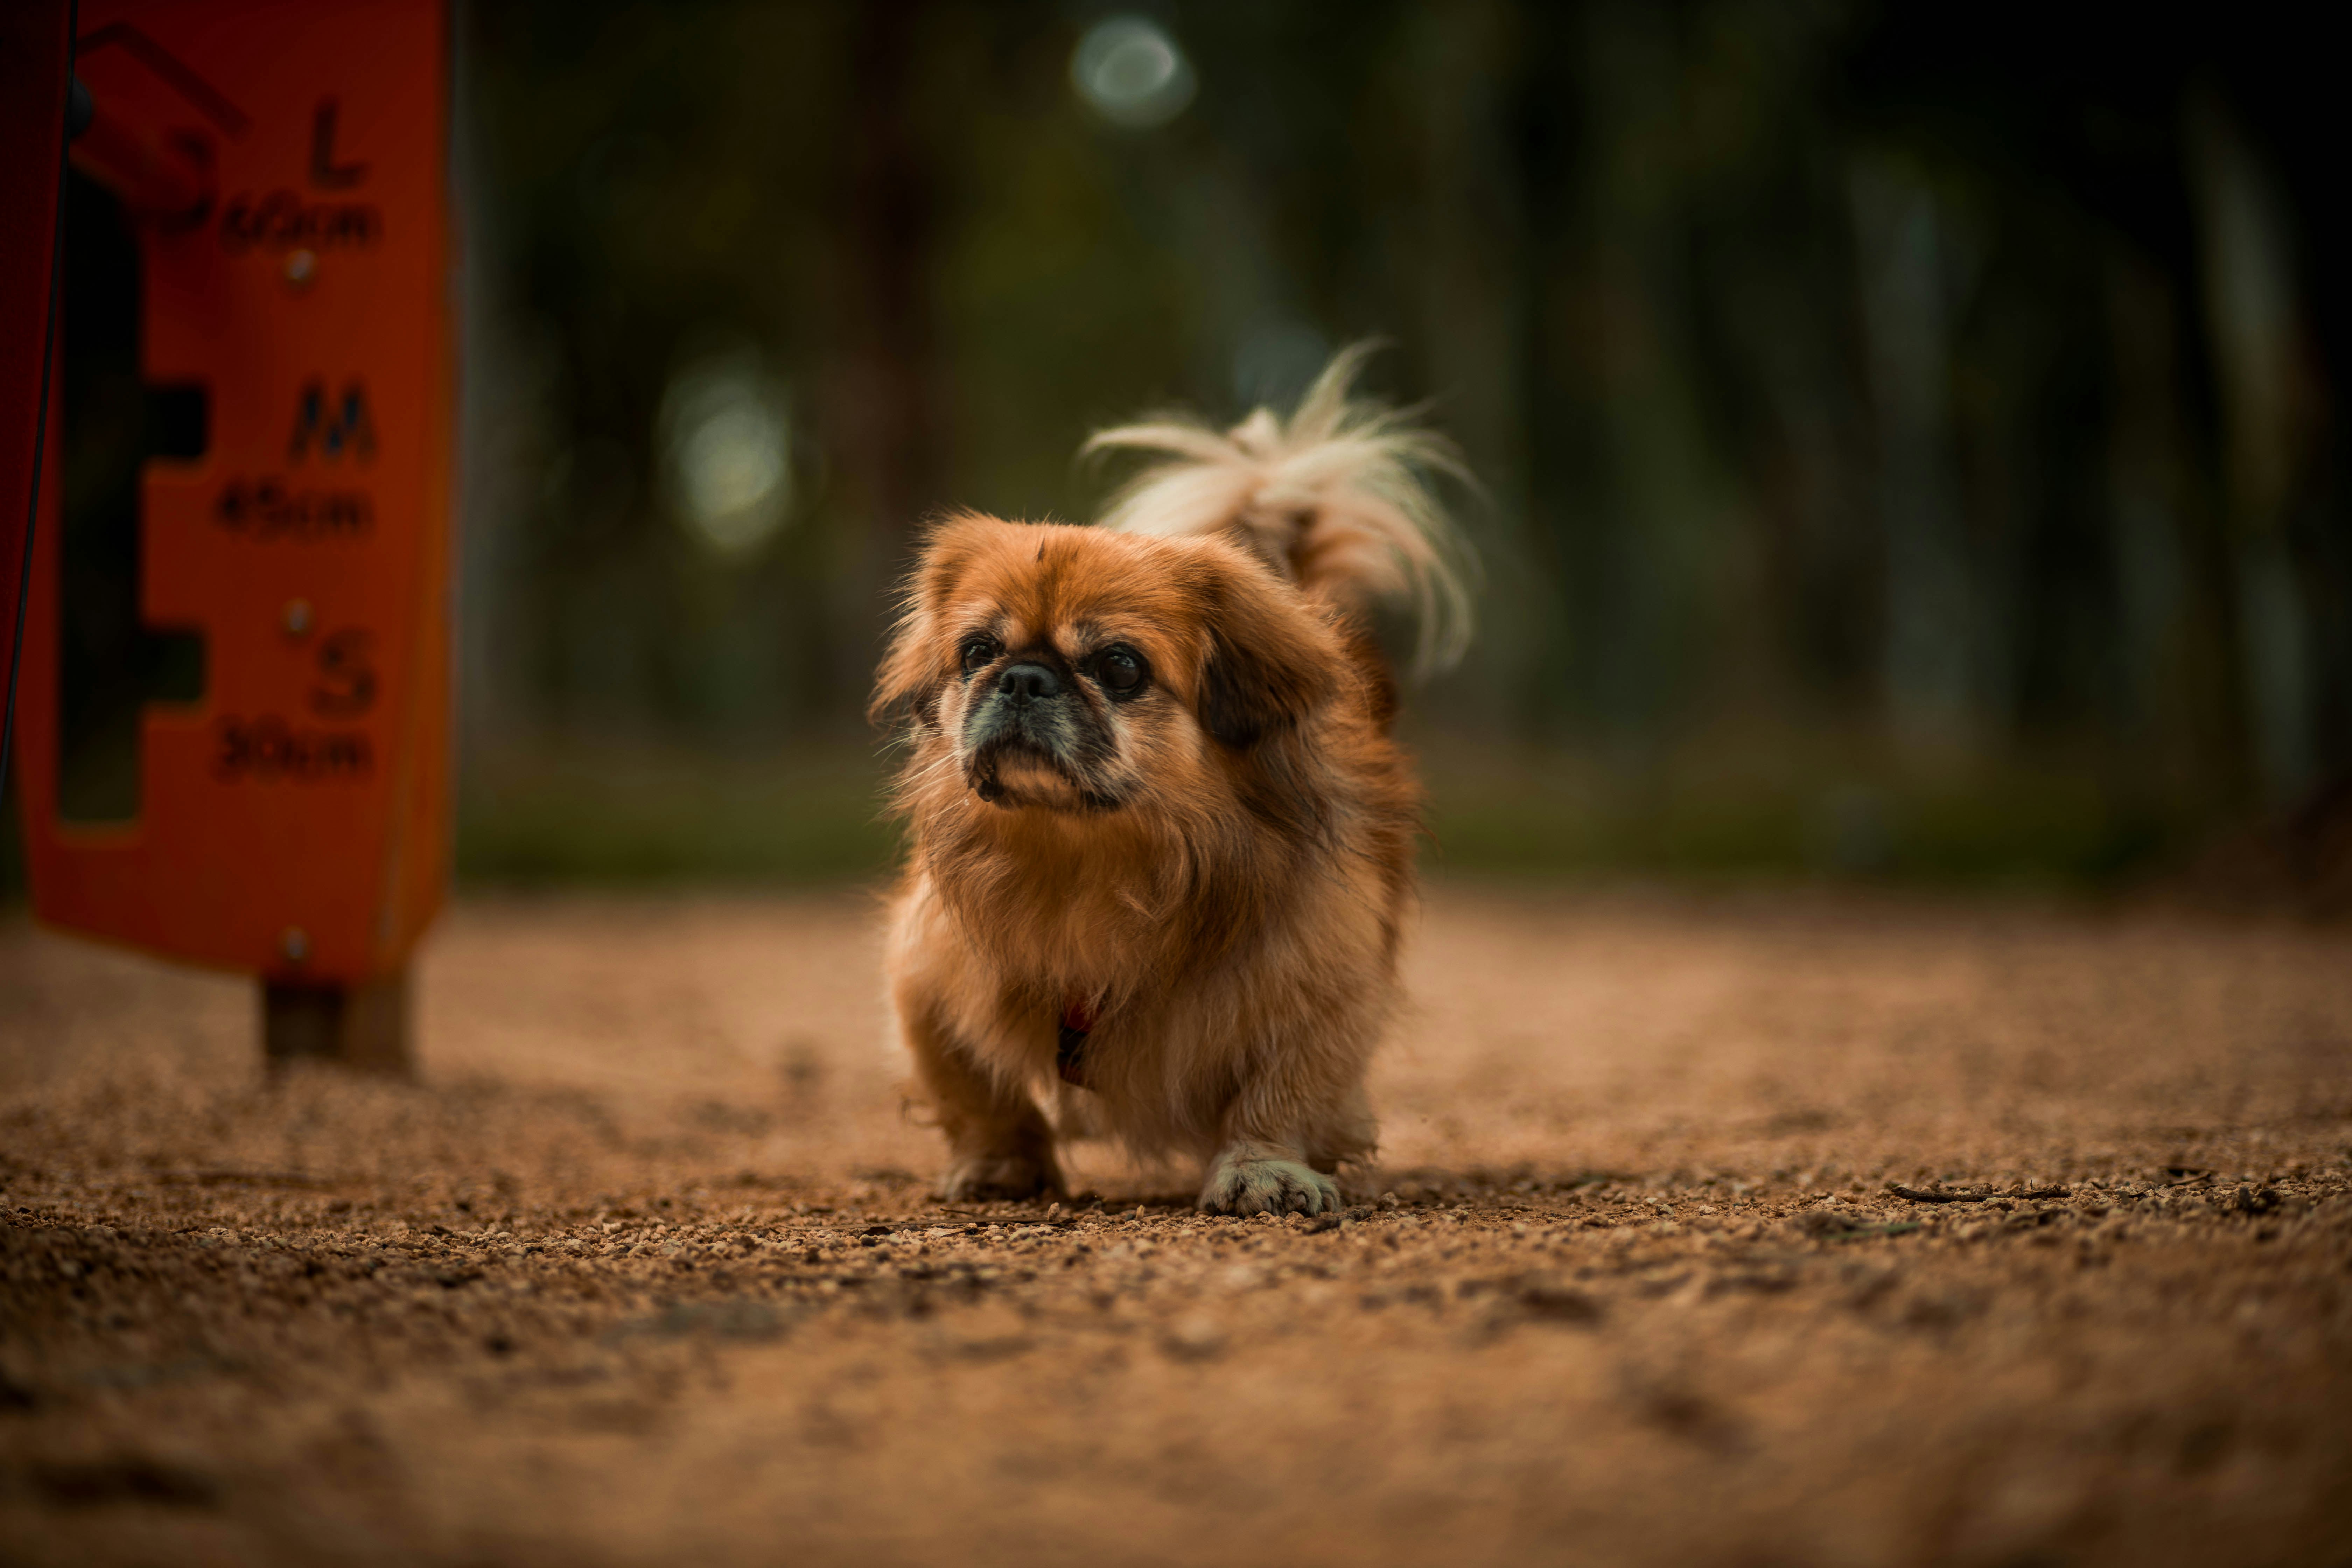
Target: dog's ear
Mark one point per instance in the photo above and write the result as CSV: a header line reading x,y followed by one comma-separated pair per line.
x,y
1271,661
914,666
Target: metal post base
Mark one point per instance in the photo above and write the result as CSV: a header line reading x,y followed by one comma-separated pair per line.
x,y
364,1027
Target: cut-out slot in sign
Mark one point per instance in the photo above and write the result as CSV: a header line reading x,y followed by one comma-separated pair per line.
x,y
234,702
111,664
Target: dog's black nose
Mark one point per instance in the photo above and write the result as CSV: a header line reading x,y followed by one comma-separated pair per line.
x,y
1025,681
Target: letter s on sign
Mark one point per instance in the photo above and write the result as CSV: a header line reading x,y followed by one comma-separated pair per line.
x,y
347,681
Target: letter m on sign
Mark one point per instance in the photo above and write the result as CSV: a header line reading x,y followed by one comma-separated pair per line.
x,y
333,428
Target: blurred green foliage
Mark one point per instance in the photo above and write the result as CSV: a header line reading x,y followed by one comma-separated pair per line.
x,y
653,816
664,817
1867,413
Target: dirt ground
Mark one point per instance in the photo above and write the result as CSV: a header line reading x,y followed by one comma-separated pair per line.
x,y
646,1269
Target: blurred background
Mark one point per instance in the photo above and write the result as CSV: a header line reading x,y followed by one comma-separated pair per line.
x,y
1908,435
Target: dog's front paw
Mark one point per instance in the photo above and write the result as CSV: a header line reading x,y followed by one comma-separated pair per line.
x,y
1003,1176
1246,1183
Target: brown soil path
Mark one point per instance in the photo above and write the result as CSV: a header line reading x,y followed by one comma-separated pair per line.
x,y
644,1270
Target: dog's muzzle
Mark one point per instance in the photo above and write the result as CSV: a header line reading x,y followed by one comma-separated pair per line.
x,y
1025,713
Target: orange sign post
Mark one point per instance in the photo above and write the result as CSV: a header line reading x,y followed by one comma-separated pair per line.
x,y
287,162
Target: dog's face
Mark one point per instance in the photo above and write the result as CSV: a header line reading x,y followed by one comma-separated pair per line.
x,y
1071,671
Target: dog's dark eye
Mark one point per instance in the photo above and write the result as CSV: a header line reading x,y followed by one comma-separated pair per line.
x,y
1121,669
977,651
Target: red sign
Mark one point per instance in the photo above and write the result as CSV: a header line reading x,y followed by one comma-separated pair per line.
x,y
293,819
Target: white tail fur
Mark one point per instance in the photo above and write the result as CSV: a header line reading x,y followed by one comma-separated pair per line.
x,y
1337,499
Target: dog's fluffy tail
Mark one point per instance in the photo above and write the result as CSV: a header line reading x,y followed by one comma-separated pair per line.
x,y
1337,499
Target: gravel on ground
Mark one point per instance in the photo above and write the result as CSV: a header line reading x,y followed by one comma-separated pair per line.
x,y
1770,1227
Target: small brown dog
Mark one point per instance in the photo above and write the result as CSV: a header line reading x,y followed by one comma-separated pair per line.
x,y
1162,840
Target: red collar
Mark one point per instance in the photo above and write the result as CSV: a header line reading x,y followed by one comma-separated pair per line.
x,y
1078,1019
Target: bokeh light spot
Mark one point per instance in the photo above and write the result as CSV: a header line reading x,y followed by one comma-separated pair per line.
x,y
726,442
1132,73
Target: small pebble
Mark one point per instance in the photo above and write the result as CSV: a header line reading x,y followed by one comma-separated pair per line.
x,y
1195,1336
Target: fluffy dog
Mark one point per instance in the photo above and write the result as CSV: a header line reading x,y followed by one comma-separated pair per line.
x,y
1161,839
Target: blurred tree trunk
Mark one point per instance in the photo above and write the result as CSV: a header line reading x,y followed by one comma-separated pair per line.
x,y
890,431
1476,320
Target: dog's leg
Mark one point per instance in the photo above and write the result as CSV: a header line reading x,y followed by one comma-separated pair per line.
x,y
1251,1177
1286,1122
999,1145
